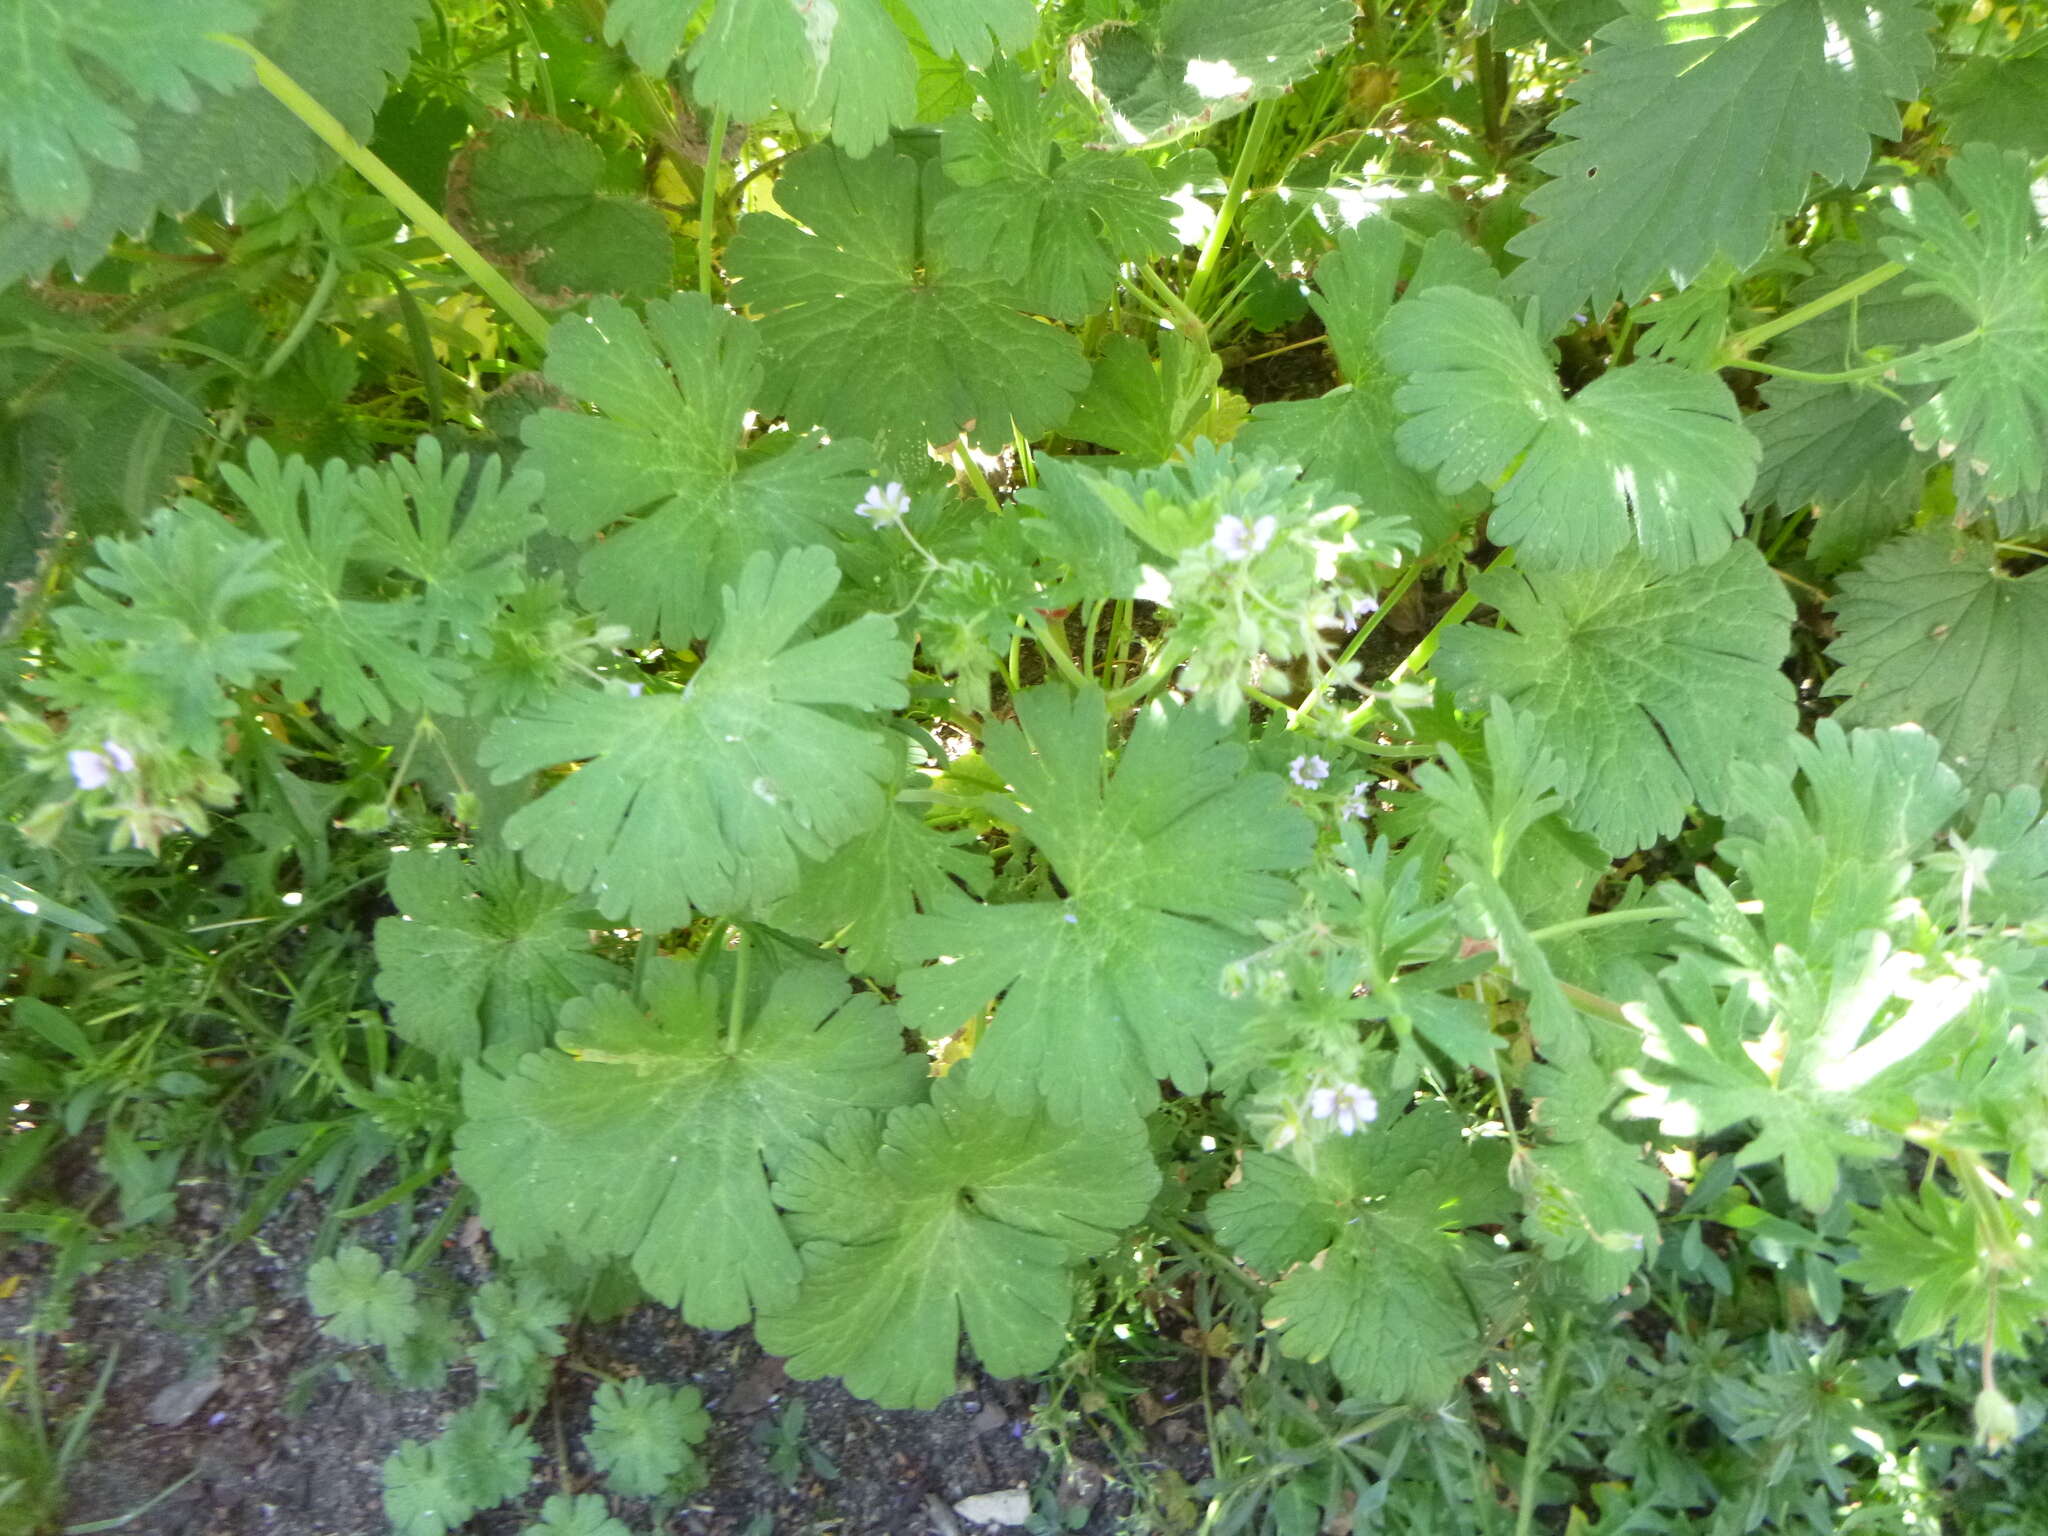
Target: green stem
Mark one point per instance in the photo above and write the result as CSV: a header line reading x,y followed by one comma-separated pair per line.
x,y
1173,306
1736,348
1425,648
1249,154
323,290
1041,631
1610,919
707,214
421,214
737,1007
1351,648
1535,1451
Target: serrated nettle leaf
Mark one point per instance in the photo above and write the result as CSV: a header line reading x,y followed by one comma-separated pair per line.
x,y
1196,62
64,68
664,472
1999,101
957,1215
362,658
1167,859
649,1133
1697,131
872,330
237,143
1647,454
532,195
1932,631
1381,1277
1631,677
1985,249
1040,210
781,765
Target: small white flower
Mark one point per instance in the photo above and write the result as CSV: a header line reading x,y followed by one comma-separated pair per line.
x,y
1356,806
1235,539
89,769
885,505
1308,770
1363,606
122,759
1350,1105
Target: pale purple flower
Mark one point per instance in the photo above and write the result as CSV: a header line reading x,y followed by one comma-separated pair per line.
x,y
122,759
1348,1104
885,505
88,768
1308,770
1356,806
1235,539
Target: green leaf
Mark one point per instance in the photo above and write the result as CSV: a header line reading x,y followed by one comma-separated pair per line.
x,y
1695,133
189,604
2002,102
640,1435
1834,860
644,1135
959,1214
872,329
532,195
1632,676
1191,63
1985,249
1819,1058
241,143
582,1514
868,891
1347,437
1589,1198
1041,212
359,1301
518,1323
1383,1281
850,67
65,70
1647,453
1935,1249
363,658
663,470
1142,408
776,769
482,955
485,1459
1167,860
1933,632
421,1496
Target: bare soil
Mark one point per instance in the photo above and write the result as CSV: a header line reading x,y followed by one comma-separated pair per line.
x,y
224,1392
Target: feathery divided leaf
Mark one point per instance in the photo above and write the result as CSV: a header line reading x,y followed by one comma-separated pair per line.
x,y
646,1134
956,1215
